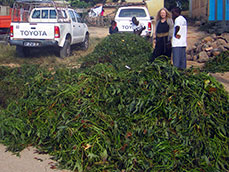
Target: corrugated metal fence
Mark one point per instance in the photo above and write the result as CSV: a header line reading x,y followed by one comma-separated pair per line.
x,y
218,10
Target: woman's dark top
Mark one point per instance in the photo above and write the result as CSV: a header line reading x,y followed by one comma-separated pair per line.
x,y
162,27
163,46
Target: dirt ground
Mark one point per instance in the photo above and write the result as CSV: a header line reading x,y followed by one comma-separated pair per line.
x,y
30,161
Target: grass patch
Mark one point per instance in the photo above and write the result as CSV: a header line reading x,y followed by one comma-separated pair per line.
x,y
44,57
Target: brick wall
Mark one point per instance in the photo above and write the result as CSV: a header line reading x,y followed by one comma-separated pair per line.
x,y
200,9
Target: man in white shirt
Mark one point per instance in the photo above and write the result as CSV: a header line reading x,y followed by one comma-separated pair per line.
x,y
137,26
179,40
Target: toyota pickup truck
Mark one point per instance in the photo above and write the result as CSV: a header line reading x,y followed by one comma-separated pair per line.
x,y
124,16
42,23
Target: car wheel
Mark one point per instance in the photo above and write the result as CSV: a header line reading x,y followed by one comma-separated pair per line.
x,y
85,44
65,51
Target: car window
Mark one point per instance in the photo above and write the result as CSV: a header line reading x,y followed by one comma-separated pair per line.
x,y
72,16
36,14
44,14
52,14
132,12
62,14
78,17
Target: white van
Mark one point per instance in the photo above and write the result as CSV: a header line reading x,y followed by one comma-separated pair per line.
x,y
124,23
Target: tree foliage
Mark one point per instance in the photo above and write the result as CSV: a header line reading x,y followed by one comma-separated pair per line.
x,y
84,3
6,2
184,4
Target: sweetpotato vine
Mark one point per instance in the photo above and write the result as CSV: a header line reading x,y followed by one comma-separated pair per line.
x,y
218,64
154,118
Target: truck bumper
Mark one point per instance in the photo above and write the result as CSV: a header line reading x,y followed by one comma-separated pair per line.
x,y
34,43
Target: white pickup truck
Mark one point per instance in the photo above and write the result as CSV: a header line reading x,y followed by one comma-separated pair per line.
x,y
40,23
124,16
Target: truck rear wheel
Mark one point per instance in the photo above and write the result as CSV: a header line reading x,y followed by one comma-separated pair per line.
x,y
22,51
65,51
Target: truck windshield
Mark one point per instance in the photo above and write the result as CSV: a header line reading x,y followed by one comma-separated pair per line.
x,y
132,12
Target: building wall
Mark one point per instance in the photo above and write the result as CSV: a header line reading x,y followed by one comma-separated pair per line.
x,y
153,5
212,10
200,9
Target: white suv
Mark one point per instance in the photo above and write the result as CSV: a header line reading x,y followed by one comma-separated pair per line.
x,y
124,23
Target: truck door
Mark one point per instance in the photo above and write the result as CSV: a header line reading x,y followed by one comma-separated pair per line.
x,y
75,27
81,26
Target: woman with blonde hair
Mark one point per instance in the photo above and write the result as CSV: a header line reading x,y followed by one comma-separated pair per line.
x,y
163,33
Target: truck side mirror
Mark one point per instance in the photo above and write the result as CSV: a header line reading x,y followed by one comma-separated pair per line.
x,y
151,17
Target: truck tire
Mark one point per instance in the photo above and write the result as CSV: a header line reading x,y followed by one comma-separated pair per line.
x,y
85,44
22,51
65,51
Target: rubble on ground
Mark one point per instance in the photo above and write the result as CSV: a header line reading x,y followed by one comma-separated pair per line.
x,y
208,48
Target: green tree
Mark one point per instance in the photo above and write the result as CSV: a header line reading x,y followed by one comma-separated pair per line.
x,y
6,2
84,3
184,4
79,4
93,2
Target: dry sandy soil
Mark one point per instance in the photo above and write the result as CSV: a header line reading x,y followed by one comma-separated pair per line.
x,y
30,161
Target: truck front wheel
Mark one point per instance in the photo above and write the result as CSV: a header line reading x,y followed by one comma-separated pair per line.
x,y
65,51
85,44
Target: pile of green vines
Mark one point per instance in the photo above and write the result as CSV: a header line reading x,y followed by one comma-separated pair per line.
x,y
150,118
218,64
